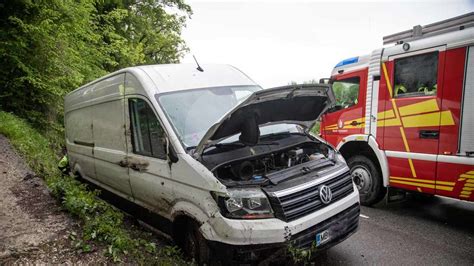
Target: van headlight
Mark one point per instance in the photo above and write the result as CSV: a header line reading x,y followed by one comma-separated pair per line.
x,y
340,158
245,203
335,156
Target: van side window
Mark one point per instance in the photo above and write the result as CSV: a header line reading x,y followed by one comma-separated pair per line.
x,y
346,92
148,136
416,75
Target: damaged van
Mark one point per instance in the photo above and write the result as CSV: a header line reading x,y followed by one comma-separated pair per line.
x,y
226,168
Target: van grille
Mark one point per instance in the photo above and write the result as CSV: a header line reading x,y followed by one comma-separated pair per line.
x,y
306,201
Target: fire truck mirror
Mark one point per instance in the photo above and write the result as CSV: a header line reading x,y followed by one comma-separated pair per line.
x,y
324,81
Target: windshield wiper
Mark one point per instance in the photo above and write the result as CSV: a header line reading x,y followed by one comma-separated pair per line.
x,y
230,144
238,144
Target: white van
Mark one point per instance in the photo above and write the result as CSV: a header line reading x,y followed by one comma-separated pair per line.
x,y
227,169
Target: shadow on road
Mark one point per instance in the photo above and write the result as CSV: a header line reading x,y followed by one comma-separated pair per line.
x,y
450,212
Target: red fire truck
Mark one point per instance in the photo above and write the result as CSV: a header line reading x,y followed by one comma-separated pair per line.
x,y
404,116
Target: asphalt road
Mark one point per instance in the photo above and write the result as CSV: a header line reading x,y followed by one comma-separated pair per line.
x,y
434,231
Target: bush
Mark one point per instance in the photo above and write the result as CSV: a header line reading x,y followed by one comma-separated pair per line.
x,y
101,221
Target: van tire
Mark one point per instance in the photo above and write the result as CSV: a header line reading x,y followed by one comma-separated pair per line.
x,y
195,246
368,180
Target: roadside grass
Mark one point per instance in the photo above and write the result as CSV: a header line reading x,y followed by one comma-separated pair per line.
x,y
101,222
315,129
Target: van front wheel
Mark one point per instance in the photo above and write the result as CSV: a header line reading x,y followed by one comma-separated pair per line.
x,y
368,180
195,246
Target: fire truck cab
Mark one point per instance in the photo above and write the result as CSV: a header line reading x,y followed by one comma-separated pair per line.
x,y
404,114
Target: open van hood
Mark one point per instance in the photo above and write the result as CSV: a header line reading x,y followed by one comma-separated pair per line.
x,y
296,104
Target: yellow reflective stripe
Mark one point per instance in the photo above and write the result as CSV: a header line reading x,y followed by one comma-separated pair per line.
x,y
421,107
429,120
351,127
465,196
467,176
445,183
444,188
446,119
407,148
468,185
358,120
387,81
470,173
466,192
419,184
412,179
424,180
412,183
385,114
404,138
468,188
390,122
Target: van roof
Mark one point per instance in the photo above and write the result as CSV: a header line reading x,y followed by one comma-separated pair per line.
x,y
176,77
158,79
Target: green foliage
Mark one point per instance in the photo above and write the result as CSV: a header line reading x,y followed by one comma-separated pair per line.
x,y
102,222
316,128
301,256
50,47
345,93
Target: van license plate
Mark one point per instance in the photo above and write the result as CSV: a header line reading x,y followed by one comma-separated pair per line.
x,y
322,237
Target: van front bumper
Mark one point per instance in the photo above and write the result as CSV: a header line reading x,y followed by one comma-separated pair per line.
x,y
339,227
273,231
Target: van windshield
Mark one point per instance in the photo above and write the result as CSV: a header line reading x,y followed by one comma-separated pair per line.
x,y
193,112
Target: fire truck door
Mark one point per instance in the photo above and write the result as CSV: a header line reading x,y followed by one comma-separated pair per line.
x,y
346,117
455,173
412,117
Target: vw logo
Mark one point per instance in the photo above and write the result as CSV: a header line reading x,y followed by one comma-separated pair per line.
x,y
325,194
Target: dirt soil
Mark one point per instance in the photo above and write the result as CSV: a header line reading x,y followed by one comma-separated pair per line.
x,y
33,228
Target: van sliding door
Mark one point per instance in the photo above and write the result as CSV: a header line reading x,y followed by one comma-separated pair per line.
x,y
109,135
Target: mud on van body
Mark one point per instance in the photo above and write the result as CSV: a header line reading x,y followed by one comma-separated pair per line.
x,y
221,161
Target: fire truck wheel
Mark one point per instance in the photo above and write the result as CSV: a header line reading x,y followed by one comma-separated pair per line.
x,y
367,178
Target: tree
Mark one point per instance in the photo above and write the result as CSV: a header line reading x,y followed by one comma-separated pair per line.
x,y
50,47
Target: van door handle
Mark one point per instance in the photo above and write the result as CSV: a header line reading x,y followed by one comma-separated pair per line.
x,y
123,163
429,134
139,166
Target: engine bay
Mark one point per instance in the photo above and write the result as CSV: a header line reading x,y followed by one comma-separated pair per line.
x,y
257,164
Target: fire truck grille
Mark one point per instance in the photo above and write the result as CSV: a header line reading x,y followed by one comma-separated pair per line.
x,y
306,201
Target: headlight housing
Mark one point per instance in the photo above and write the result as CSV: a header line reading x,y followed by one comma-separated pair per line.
x,y
335,156
244,203
340,158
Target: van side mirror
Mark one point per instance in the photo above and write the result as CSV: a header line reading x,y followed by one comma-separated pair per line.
x,y
172,156
171,153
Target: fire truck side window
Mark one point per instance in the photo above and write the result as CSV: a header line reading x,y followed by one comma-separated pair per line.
x,y
416,75
346,92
